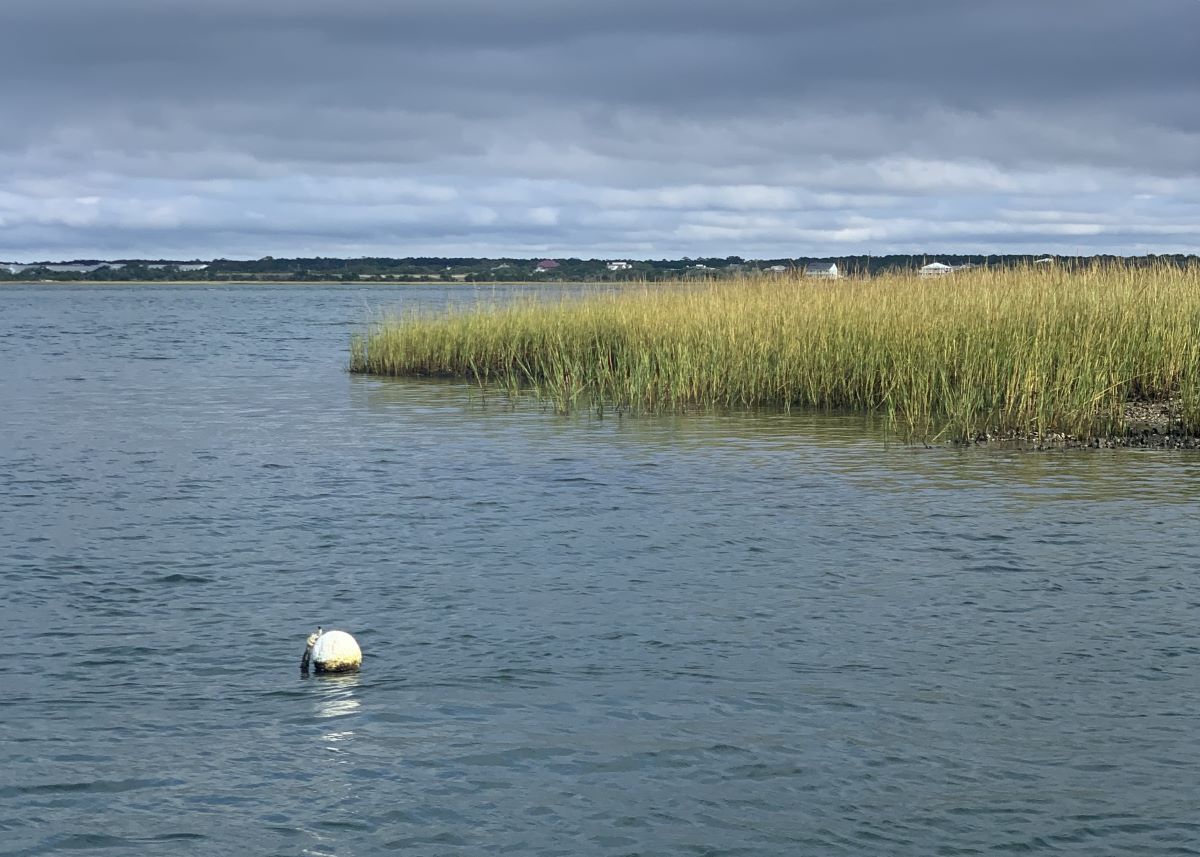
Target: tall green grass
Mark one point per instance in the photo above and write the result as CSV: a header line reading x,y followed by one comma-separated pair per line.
x,y
1027,351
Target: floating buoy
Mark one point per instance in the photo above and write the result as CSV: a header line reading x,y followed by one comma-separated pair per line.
x,y
331,652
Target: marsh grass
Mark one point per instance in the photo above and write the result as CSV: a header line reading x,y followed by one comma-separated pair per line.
x,y
1030,351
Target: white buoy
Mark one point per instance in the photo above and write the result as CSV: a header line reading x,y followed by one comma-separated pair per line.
x,y
332,652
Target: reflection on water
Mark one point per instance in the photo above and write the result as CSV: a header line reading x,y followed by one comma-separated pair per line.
x,y
335,694
763,437
726,633
331,738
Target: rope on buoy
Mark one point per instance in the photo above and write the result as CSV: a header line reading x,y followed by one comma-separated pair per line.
x,y
306,658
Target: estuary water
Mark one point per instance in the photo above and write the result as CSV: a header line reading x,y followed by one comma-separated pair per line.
x,y
714,634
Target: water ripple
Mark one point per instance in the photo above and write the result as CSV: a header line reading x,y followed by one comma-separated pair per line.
x,y
755,633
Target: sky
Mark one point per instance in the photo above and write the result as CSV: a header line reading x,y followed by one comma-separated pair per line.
x,y
617,129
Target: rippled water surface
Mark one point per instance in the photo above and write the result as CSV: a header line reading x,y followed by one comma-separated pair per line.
x,y
702,634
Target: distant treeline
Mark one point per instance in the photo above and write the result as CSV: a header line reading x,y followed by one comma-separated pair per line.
x,y
512,269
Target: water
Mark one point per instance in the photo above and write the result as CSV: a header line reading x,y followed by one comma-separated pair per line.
x,y
703,634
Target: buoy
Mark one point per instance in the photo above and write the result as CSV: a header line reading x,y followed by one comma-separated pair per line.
x,y
331,652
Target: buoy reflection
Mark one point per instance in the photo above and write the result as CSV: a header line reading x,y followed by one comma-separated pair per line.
x,y
337,694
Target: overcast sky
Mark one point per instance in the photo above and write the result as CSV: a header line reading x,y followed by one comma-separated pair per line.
x,y
610,128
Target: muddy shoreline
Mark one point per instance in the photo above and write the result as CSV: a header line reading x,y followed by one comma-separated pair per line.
x,y
1148,425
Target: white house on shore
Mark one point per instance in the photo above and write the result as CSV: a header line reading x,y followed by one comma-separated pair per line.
x,y
822,270
619,266
937,269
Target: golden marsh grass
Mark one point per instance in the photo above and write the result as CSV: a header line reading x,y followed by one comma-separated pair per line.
x,y
1030,351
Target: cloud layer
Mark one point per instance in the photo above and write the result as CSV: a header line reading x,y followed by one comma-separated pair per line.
x,y
469,127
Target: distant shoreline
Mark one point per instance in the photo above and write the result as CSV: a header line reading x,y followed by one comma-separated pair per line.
x,y
302,283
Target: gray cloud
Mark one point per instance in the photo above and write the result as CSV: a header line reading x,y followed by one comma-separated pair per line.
x,y
165,127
